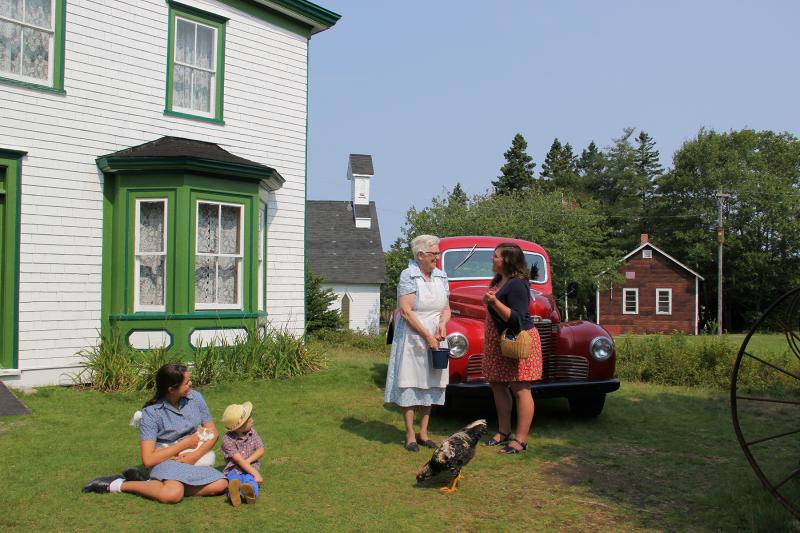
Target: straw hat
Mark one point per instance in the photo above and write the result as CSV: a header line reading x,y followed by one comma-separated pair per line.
x,y
237,414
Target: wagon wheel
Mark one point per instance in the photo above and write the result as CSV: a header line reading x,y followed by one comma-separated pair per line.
x,y
767,423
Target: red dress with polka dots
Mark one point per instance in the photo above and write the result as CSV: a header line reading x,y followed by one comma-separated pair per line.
x,y
504,369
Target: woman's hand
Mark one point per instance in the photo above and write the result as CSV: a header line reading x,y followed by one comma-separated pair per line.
x,y
191,442
433,344
489,298
258,478
187,458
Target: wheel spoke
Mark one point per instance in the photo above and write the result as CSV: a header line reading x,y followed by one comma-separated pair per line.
x,y
772,437
790,476
773,366
773,400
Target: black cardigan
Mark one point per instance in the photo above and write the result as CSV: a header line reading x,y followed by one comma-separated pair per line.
x,y
515,294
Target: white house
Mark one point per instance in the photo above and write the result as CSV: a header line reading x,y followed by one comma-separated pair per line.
x,y
343,243
152,173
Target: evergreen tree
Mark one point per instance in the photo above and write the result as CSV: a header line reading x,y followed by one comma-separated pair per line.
x,y
517,174
589,167
457,196
649,167
558,169
319,314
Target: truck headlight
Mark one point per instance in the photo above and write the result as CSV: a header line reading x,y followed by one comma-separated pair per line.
x,y
601,348
458,345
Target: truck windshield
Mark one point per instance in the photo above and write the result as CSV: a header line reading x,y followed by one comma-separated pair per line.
x,y
479,266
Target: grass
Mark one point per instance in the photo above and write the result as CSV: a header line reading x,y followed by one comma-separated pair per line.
x,y
658,459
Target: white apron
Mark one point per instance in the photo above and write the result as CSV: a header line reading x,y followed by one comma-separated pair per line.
x,y
415,366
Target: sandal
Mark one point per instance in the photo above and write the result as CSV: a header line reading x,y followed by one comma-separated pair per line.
x,y
494,442
427,443
508,449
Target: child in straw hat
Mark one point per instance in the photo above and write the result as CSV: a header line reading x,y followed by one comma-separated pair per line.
x,y
242,448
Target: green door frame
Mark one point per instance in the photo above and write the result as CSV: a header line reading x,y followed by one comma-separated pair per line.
x,y
11,173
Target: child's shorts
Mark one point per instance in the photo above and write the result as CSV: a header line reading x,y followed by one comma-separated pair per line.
x,y
243,478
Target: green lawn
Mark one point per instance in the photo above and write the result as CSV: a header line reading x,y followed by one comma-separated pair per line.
x,y
658,458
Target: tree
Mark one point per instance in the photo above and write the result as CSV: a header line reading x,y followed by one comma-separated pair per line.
x,y
761,172
517,173
319,314
559,170
589,167
649,167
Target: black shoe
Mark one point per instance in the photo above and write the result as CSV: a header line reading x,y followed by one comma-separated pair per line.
x,y
412,446
427,443
134,474
99,484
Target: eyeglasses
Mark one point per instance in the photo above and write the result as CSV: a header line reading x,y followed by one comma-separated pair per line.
x,y
435,254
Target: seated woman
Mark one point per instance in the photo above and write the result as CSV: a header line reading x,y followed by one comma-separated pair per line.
x,y
169,426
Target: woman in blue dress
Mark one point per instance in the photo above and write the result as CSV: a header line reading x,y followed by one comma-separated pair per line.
x,y
422,299
171,444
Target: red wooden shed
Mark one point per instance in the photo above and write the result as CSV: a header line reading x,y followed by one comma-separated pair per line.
x,y
659,295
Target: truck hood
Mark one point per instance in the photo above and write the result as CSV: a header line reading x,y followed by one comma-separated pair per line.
x,y
467,301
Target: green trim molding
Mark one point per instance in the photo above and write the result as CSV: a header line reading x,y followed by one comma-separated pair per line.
x,y
59,41
208,19
298,16
182,187
10,179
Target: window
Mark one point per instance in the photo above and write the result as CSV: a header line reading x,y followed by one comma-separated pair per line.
x,y
663,301
466,263
647,254
218,256
150,255
630,301
195,62
32,43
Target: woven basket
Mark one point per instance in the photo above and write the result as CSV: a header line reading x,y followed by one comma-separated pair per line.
x,y
516,346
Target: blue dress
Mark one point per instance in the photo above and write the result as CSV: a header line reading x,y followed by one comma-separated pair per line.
x,y
164,424
410,379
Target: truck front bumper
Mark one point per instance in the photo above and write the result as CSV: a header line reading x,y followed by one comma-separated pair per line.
x,y
541,389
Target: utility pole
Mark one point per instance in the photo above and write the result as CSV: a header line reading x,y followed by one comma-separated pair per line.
x,y
720,241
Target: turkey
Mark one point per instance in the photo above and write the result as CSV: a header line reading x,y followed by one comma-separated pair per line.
x,y
450,457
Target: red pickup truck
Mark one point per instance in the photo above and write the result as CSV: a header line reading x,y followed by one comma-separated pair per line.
x,y
578,356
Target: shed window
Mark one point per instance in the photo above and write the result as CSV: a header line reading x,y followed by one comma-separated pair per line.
x,y
647,254
630,301
663,301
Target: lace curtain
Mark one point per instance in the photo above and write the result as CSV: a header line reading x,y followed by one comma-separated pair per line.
x,y
25,51
194,67
218,234
151,253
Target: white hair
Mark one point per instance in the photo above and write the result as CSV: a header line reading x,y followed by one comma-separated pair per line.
x,y
423,243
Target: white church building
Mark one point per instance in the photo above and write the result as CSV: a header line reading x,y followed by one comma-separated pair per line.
x,y
343,243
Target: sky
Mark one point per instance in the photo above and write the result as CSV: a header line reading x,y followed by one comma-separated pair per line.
x,y
435,90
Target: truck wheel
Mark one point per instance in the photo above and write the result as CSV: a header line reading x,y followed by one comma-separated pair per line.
x,y
589,406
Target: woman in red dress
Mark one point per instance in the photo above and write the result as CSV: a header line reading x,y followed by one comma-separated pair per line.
x,y
507,303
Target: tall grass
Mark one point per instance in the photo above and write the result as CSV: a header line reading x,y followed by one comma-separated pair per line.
x,y
112,365
704,361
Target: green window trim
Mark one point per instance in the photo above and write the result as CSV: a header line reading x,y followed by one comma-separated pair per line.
x,y
57,68
194,15
183,192
10,178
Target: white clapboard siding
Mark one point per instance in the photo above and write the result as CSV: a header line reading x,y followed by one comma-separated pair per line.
x,y
365,305
115,83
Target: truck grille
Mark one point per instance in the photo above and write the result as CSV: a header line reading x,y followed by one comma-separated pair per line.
x,y
475,368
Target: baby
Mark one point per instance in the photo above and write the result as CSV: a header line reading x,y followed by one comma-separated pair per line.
x,y
242,448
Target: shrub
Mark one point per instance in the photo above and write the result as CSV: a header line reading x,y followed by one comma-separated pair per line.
x,y
704,361
319,315
275,354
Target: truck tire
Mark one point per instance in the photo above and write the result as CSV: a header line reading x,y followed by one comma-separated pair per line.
x,y
587,406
